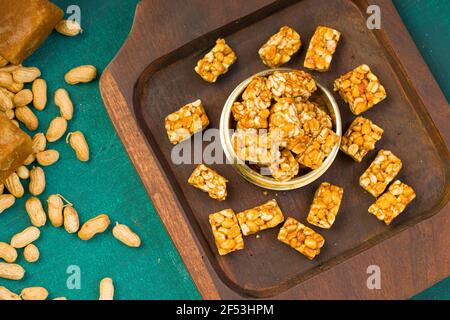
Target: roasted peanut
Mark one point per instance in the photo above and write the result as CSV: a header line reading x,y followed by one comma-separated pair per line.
x,y
26,74
56,129
79,145
71,220
55,210
23,97
124,234
6,102
37,181
6,79
81,74
69,28
60,298
11,271
30,159
47,157
63,101
6,202
39,142
6,294
15,87
25,237
7,252
14,186
36,212
94,226
31,253
23,172
34,293
39,89
106,289
27,117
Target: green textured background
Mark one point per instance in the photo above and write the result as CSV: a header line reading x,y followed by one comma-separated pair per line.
x,y
109,183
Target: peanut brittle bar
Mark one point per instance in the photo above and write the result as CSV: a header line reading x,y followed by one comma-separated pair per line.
x,y
267,215
325,206
280,47
208,180
360,138
226,231
360,88
254,145
312,118
380,173
392,202
295,84
301,238
321,49
283,122
185,122
286,168
216,62
320,147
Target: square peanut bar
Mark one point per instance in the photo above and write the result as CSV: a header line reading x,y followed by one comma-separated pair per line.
x,y
301,238
216,62
319,148
286,167
296,84
267,215
226,231
254,145
284,123
360,138
280,47
185,122
380,173
360,88
321,49
325,206
208,180
392,202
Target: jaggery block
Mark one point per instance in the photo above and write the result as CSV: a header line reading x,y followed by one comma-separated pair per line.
x,y
380,173
226,231
301,238
208,180
185,122
24,25
286,168
267,215
360,138
283,122
360,88
321,48
280,47
15,147
325,205
254,145
320,147
294,84
216,62
392,202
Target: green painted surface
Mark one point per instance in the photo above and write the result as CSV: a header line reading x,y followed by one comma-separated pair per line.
x,y
109,183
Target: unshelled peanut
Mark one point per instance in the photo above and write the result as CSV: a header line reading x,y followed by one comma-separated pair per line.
x,y
31,253
26,74
34,293
25,237
11,271
23,172
36,212
124,234
55,210
69,28
6,202
39,89
6,294
14,186
7,252
6,102
39,142
23,98
106,289
79,144
64,103
94,226
37,181
71,219
81,74
6,79
47,158
27,117
56,129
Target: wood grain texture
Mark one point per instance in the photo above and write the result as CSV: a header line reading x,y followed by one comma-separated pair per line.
x,y
411,258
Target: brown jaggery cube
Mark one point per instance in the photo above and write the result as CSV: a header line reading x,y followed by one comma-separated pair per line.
x,y
226,231
216,62
286,167
360,88
380,173
321,48
15,147
296,84
360,138
301,238
393,202
325,205
188,120
320,147
280,47
24,25
265,216
208,180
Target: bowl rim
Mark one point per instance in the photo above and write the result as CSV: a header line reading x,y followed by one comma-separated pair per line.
x,y
268,182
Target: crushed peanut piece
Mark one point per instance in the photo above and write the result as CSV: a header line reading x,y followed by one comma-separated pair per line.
x,y
226,231
267,215
318,149
325,206
392,202
360,88
185,122
254,145
283,122
280,47
321,48
360,138
216,62
286,168
208,180
301,238
295,84
380,173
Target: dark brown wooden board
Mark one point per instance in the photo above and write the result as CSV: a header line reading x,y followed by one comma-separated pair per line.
x,y
153,75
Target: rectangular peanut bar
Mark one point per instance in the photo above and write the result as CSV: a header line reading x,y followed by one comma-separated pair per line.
x,y
301,238
185,122
286,167
319,148
392,202
283,122
360,138
321,48
360,88
267,215
295,84
226,231
325,206
208,180
380,173
280,47
254,145
216,62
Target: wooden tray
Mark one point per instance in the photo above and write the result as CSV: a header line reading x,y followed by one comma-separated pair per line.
x,y
153,76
